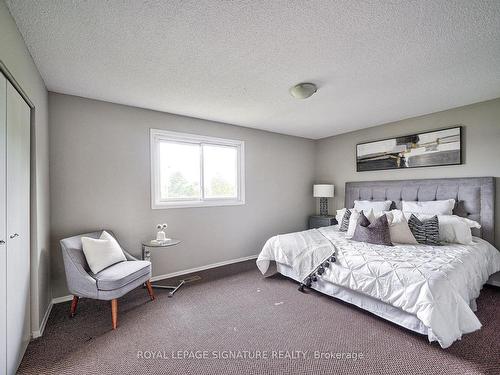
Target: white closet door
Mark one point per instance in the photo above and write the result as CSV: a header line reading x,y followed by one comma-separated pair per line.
x,y
3,240
18,228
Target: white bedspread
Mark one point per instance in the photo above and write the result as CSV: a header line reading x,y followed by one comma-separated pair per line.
x,y
302,251
434,283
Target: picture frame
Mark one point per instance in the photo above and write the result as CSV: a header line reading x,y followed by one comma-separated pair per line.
x,y
432,148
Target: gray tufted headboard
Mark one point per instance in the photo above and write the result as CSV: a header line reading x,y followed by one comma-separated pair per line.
x,y
475,196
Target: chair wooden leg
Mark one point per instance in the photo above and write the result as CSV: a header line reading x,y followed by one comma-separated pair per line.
x,y
150,290
74,304
114,313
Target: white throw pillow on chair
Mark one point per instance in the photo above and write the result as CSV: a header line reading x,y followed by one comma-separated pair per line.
x,y
103,252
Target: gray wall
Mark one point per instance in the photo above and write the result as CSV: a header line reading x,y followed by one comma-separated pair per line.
x,y
100,178
15,56
336,155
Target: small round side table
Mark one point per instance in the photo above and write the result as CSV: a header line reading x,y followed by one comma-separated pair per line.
x,y
146,255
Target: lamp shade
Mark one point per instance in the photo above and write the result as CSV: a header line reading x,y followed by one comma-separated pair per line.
x,y
323,191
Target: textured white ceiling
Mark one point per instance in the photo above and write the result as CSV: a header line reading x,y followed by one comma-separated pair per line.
x,y
374,61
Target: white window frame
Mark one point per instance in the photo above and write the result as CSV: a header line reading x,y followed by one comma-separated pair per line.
x,y
158,135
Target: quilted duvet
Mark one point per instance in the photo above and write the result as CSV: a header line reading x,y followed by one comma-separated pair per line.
x,y
437,284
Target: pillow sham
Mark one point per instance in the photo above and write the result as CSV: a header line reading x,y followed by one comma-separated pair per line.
x,y
443,207
376,232
376,206
103,252
454,229
399,229
425,232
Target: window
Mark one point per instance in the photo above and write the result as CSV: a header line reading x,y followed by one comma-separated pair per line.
x,y
188,170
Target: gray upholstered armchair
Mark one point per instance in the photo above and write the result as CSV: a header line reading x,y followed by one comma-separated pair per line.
x,y
108,284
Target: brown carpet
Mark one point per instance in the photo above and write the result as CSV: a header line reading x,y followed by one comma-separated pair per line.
x,y
235,309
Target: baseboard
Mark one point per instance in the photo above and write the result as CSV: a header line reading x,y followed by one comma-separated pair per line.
x,y
202,268
62,299
494,279
173,274
39,332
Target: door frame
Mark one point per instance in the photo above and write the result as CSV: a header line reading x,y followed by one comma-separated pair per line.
x,y
17,86
33,234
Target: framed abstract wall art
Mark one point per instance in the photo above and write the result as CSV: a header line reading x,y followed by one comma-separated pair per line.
x,y
426,149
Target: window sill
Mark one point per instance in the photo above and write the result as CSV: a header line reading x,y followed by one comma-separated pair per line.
x,y
214,203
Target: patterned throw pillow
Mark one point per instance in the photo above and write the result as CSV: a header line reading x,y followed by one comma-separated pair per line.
x,y
425,232
345,221
375,233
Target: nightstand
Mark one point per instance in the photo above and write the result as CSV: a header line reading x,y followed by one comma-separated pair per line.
x,y
318,221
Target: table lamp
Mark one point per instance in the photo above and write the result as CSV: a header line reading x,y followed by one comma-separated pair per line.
x,y
323,192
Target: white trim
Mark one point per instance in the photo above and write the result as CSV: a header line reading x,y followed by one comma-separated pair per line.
x,y
203,268
193,138
493,282
157,135
207,203
38,333
494,279
62,299
69,297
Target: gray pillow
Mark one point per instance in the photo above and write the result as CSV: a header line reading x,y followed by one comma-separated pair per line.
x,y
375,233
425,232
344,225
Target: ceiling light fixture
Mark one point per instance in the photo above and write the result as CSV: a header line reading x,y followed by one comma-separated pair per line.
x,y
303,90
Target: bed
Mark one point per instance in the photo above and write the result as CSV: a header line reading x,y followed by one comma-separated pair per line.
x,y
430,290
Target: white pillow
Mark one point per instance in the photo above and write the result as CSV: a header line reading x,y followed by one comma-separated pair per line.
x,y
455,229
103,252
373,205
399,229
452,228
353,220
444,207
469,222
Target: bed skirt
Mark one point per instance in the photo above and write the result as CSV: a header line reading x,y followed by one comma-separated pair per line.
x,y
379,308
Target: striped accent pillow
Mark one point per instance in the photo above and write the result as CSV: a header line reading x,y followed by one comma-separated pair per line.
x,y
344,225
425,232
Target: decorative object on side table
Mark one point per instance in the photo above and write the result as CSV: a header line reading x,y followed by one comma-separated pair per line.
x,y
323,192
318,221
161,237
